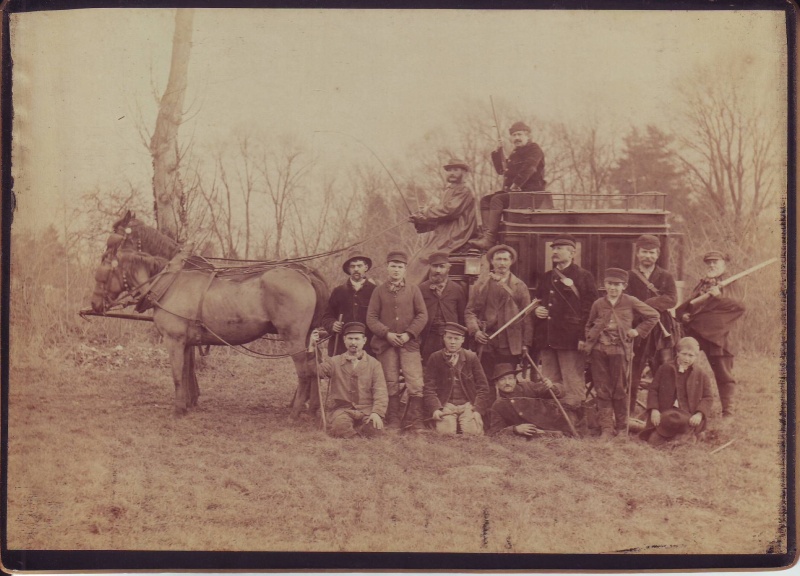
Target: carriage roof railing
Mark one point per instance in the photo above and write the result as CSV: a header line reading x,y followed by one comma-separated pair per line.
x,y
653,202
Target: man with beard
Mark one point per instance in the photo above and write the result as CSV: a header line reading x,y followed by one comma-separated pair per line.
x,y
523,172
349,301
396,315
445,301
525,408
449,223
456,394
567,293
495,300
357,391
655,287
710,322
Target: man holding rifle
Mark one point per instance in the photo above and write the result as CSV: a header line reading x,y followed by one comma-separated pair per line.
x,y
655,287
495,301
522,172
714,305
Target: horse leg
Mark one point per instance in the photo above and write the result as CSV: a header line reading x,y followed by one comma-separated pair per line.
x,y
177,357
190,376
305,367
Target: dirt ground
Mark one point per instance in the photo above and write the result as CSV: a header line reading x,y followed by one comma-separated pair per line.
x,y
98,461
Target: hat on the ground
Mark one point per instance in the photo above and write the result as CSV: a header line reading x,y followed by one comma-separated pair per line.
x,y
673,421
615,275
457,163
354,328
501,248
397,256
356,255
438,258
715,255
455,328
503,369
519,127
648,242
688,342
564,240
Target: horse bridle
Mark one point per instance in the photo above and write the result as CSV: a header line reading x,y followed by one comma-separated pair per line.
x,y
113,261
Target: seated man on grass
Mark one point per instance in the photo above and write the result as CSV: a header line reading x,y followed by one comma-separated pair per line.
x,y
679,398
525,408
357,391
456,393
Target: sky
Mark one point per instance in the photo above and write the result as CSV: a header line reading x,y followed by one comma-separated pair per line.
x,y
86,82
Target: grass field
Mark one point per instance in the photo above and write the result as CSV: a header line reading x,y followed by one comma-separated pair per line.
x,y
97,461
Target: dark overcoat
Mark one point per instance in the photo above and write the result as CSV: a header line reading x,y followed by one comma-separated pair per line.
x,y
667,298
497,306
568,313
449,307
440,376
524,168
693,396
351,305
714,318
528,403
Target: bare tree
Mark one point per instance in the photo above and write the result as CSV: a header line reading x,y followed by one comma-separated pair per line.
x,y
729,147
170,199
587,159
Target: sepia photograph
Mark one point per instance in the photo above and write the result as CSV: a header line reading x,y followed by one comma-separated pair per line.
x,y
425,282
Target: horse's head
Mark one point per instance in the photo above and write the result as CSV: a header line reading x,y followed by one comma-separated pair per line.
x,y
122,272
130,233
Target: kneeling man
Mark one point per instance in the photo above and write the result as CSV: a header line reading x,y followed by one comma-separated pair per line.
x,y
525,408
357,397
456,392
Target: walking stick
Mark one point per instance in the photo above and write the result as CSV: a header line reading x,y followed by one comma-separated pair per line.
x,y
628,378
560,407
336,342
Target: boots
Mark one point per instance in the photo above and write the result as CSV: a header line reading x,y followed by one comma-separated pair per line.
x,y
413,418
621,416
726,393
393,412
578,420
491,223
605,417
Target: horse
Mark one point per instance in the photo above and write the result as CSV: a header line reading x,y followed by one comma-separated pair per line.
x,y
196,304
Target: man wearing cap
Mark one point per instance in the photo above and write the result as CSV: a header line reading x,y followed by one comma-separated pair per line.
x,y
349,301
397,315
655,287
567,293
609,339
524,407
523,171
450,222
357,397
456,394
680,381
496,299
711,321
444,300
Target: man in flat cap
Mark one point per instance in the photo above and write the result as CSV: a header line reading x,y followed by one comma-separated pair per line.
x,y
711,321
610,332
397,315
680,382
348,302
522,172
445,301
654,286
456,394
357,398
449,222
496,298
567,293
524,407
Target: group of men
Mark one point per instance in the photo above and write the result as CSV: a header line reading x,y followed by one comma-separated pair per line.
x,y
412,330
397,333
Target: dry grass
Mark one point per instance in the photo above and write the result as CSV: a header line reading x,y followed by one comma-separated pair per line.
x,y
97,461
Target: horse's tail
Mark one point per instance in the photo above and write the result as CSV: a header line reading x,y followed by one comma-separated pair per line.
x,y
323,294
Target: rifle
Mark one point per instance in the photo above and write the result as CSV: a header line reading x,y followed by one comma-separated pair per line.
x,y
517,316
499,137
703,297
337,336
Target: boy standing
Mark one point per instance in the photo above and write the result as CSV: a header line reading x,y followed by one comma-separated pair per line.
x,y
609,340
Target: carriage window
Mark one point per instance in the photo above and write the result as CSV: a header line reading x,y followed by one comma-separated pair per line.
x,y
548,262
618,254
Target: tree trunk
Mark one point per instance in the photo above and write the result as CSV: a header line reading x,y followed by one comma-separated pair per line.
x,y
170,201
